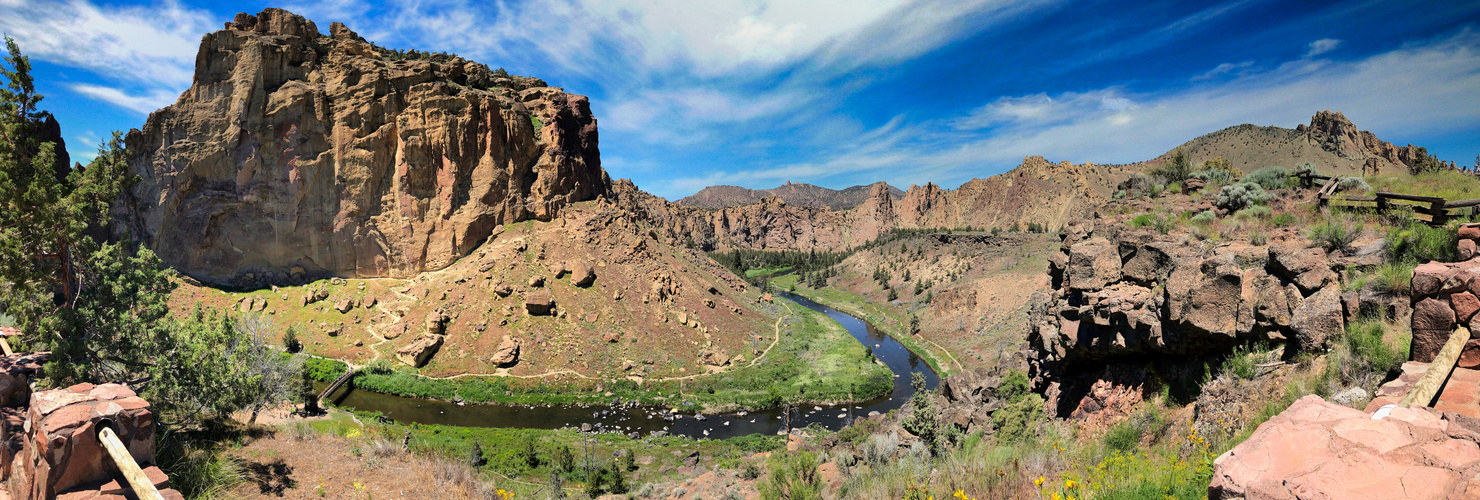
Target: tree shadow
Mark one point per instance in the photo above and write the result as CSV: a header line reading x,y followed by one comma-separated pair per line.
x,y
272,478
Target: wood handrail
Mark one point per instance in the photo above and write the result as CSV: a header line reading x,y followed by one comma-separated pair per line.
x,y
1409,197
1427,387
142,486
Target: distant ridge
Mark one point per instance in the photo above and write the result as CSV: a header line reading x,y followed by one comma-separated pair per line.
x,y
792,193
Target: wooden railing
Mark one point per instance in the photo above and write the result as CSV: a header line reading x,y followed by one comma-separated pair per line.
x,y
1430,209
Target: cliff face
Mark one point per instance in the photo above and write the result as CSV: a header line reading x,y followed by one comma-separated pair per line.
x,y
298,153
792,193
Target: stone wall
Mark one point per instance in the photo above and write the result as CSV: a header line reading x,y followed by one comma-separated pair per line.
x,y
55,452
1444,296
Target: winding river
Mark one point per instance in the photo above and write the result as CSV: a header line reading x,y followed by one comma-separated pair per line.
x,y
645,420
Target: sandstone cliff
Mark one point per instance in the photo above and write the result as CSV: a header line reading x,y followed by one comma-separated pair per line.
x,y
298,153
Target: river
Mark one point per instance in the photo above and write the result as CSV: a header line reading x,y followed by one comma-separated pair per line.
x,y
645,420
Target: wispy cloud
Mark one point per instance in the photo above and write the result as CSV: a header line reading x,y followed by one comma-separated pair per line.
x,y
1225,69
1420,88
149,49
143,104
1171,32
1322,46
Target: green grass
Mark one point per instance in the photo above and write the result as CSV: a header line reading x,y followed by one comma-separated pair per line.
x,y
1449,185
891,319
816,361
1416,242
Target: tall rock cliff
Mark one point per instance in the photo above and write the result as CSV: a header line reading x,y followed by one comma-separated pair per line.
x,y
294,152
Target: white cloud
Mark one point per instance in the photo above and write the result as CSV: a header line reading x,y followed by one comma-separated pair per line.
x,y
1415,90
148,47
1237,69
1322,46
144,104
155,43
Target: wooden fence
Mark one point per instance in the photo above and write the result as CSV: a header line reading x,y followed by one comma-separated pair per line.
x,y
1430,209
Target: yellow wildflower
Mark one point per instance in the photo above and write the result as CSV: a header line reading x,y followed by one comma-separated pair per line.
x,y
1038,482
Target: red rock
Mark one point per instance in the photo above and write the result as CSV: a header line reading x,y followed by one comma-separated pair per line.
x,y
1429,278
1465,305
1469,231
1466,249
1470,356
1433,314
1316,449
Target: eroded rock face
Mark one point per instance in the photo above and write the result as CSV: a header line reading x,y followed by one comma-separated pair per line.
x,y
507,353
293,150
1133,297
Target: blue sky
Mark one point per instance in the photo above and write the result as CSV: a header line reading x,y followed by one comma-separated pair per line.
x,y
838,93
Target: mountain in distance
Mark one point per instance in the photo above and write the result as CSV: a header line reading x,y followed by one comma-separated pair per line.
x,y
808,195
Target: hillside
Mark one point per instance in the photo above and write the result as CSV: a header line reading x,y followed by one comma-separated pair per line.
x,y
1037,191
793,193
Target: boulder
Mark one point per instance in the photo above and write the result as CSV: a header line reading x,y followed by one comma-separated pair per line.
x,y
1317,318
1093,264
507,353
418,352
582,274
1151,262
1317,449
436,322
611,337
1430,278
715,357
344,305
538,303
535,281
1465,306
1306,267
502,290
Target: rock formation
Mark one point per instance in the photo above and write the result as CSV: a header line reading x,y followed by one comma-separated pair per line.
x,y
1316,449
1333,132
327,154
798,194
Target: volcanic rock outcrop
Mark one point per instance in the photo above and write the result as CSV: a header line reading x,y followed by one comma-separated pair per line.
x,y
295,150
1129,296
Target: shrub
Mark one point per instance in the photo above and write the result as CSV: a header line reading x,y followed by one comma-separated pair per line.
x,y
1269,178
1417,242
922,421
1216,177
1257,237
1243,194
1176,169
1283,219
1124,436
1352,184
290,340
1333,235
793,477
380,366
1255,212
1016,421
1394,278
1205,218
1365,339
1143,220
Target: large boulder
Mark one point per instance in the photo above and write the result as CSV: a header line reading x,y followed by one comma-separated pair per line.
x,y
1306,267
582,274
1317,449
418,352
507,353
538,303
1093,264
1317,318
296,149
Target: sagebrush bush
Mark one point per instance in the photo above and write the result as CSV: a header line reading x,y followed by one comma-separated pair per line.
x,y
1205,218
1283,219
1269,178
1241,195
1352,184
1216,177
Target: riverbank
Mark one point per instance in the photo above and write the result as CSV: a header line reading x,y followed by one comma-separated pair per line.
x,y
808,359
893,321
